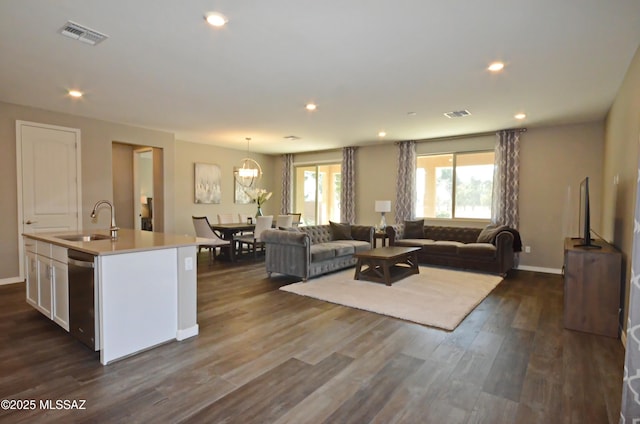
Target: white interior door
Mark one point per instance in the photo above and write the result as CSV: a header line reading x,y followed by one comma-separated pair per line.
x,y
49,192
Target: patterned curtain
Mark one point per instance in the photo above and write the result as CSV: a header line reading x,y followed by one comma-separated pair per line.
x,y
630,408
406,182
348,192
287,180
506,179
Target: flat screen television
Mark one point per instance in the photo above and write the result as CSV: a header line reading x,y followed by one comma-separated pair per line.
x,y
585,218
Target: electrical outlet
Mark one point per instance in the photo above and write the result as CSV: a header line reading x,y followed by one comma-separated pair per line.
x,y
188,264
527,249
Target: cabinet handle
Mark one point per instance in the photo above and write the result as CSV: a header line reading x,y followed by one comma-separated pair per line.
x,y
29,222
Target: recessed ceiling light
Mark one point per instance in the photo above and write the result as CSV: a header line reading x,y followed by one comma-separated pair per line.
x,y
75,93
310,106
520,116
216,19
496,66
382,134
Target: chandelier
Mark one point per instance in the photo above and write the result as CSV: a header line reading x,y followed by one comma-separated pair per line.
x,y
249,171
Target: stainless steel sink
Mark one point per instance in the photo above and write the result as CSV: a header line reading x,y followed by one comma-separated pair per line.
x,y
84,237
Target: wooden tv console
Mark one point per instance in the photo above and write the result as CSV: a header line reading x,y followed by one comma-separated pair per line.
x,y
592,288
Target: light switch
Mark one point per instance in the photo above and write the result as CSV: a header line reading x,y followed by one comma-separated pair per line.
x,y
188,264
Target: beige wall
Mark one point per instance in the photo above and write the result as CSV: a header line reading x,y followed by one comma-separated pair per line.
x,y
621,164
96,137
187,154
553,162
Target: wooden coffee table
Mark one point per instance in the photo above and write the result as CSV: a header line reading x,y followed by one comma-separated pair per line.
x,y
387,264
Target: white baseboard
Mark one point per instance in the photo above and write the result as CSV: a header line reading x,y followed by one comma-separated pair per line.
x,y
187,332
12,280
540,269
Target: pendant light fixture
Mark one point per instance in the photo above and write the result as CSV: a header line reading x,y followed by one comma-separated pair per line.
x,y
249,172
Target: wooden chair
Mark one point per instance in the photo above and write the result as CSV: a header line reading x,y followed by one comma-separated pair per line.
x,y
297,219
253,241
212,241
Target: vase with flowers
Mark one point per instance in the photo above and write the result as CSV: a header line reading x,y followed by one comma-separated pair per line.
x,y
259,195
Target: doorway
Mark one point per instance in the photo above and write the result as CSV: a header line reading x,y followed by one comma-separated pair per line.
x,y
143,188
138,186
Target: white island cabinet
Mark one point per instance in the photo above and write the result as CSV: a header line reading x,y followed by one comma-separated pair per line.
x,y
46,280
145,287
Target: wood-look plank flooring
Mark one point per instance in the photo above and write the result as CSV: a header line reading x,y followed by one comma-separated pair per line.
x,y
267,356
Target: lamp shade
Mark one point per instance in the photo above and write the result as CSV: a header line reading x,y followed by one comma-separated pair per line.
x,y
383,205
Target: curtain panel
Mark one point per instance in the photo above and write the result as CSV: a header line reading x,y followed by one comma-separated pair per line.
x,y
406,181
286,204
630,408
506,179
348,191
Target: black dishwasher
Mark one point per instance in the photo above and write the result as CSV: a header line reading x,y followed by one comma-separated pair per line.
x,y
82,320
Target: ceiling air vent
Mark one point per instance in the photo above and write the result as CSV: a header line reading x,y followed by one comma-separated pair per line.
x,y
457,114
82,33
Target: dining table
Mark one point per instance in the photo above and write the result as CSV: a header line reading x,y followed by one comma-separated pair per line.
x,y
228,231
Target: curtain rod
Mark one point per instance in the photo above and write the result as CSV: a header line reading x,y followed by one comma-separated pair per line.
x,y
457,137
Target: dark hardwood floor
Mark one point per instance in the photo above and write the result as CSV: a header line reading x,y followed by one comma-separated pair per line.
x,y
267,356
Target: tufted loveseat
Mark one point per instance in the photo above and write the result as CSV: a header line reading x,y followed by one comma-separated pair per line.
x,y
488,250
314,249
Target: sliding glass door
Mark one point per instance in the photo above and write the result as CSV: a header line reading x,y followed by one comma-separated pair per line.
x,y
317,193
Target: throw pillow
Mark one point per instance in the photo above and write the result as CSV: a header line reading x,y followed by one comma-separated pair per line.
x,y
414,229
340,231
489,233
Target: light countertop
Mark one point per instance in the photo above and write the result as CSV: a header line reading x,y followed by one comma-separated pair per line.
x,y
128,241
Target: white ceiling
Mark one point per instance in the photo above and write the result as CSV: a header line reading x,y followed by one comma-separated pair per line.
x,y
366,63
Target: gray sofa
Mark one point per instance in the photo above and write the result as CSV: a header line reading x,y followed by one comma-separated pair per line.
x,y
314,249
489,249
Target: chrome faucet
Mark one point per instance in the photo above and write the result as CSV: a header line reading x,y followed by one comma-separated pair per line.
x,y
113,229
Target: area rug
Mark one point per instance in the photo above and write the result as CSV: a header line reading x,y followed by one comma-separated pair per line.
x,y
436,297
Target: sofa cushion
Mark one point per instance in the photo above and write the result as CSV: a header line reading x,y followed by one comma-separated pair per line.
x,y
414,229
343,249
489,233
358,245
440,247
322,251
340,231
479,250
413,242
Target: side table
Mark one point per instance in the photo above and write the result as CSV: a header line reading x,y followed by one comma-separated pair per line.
x,y
380,235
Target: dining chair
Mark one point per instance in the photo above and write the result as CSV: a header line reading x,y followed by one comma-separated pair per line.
x,y
284,221
253,241
211,240
225,218
244,217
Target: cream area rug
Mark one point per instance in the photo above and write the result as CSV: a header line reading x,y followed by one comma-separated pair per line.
x,y
436,297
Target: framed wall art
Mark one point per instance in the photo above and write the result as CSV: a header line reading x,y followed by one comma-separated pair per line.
x,y
207,183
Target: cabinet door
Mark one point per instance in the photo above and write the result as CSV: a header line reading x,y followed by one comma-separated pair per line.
x,y
60,294
44,285
31,265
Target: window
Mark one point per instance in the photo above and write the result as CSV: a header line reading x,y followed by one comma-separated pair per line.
x,y
317,193
455,185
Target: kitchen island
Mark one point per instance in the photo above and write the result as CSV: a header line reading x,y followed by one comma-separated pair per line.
x,y
144,284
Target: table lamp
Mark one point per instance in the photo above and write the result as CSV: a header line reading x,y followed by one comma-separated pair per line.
x,y
383,206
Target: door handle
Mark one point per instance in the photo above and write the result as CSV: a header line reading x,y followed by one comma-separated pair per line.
x,y
29,222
